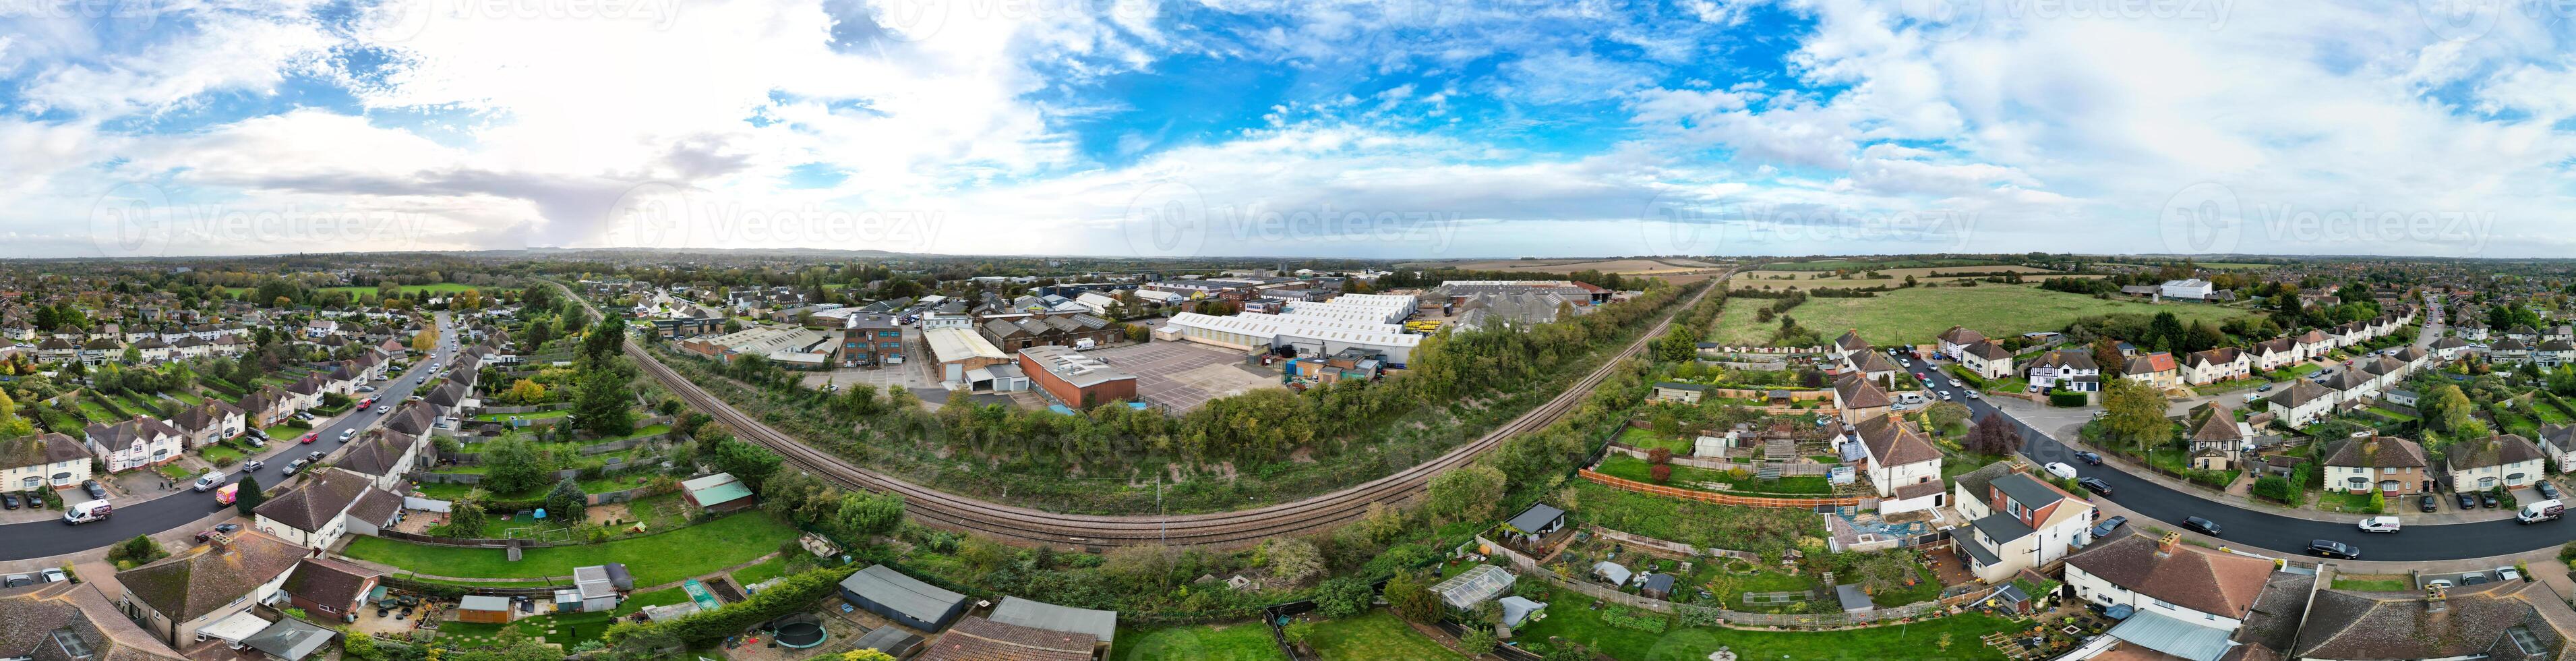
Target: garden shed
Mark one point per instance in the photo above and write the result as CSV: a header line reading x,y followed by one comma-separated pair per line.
x,y
1610,572
892,641
1656,586
483,609
1474,586
1854,600
1517,609
1539,519
903,599
1102,625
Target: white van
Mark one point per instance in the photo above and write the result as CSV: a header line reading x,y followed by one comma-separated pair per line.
x,y
210,480
2538,511
95,510
2386,524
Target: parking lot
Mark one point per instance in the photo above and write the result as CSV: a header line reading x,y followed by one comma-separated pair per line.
x,y
1181,376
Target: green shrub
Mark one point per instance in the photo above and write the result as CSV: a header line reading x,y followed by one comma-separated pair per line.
x,y
2066,399
2276,488
1633,619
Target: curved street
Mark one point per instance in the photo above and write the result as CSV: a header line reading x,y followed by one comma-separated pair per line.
x,y
184,506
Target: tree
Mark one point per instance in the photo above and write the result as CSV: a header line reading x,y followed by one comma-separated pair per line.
x,y
425,341
2446,409
600,404
247,496
2106,354
1480,640
525,391
750,463
1342,596
466,518
2134,413
1994,435
868,514
1409,596
567,502
1291,560
1659,473
1464,494
136,552
511,466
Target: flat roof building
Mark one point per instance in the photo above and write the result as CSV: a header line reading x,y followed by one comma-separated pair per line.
x,y
1074,378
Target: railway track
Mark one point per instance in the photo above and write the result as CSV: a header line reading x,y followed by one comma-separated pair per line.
x,y
1223,529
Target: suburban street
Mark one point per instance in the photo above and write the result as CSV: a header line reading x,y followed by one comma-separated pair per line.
x,y
2271,532
186,506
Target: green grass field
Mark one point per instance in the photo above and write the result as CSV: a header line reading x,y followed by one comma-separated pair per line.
x,y
767,569
1834,264
1374,636
1913,316
1241,641
655,559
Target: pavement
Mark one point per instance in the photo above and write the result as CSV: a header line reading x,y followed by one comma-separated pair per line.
x,y
187,511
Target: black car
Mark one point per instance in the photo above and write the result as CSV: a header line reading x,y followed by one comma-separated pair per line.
x,y
2203,526
2487,500
9,500
2104,528
2479,578
2089,458
96,491
2467,501
2428,503
2547,490
2095,485
2334,549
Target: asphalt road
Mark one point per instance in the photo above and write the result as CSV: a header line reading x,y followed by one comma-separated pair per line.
x,y
2282,534
185,506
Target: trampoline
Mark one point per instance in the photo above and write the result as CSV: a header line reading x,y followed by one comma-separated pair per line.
x,y
798,631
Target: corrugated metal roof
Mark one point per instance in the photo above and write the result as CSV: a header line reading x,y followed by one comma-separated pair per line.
x,y
2172,636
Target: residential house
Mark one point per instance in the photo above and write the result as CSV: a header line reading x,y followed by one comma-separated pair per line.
x,y
1954,342
2219,440
1850,343
2276,353
2506,460
329,589
328,505
2163,576
1986,359
1860,400
320,328
2215,365
383,456
2315,344
2394,466
66,621
2508,351
2300,403
2500,620
207,423
871,339
2553,353
175,597
135,443
2449,347
2353,385
268,406
2019,523
1905,468
41,461
2158,370
2558,442
2070,369
1678,392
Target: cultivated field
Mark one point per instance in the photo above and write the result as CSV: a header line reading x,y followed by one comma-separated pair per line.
x,y
1913,316
1656,266
1769,278
1833,264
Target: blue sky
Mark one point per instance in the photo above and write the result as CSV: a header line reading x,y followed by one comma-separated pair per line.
x,y
1409,128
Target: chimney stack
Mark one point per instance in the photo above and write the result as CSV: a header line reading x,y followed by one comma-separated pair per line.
x,y
2436,598
2165,546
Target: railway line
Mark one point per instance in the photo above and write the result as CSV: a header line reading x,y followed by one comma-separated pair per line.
x,y
1029,526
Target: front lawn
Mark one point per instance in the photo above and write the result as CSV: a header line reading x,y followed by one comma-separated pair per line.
x,y
176,472
1953,637
220,454
655,559
2373,583
1241,641
1376,635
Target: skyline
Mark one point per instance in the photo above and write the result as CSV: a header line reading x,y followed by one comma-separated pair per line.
x,y
1360,130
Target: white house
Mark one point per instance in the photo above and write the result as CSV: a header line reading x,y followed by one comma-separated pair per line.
x,y
2507,460
2016,522
135,443
1986,359
1956,340
2163,576
41,461
2071,369
2276,353
2300,403
2215,365
330,504
1905,468
2559,441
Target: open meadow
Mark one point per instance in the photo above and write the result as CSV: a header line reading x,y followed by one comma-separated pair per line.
x,y
1776,279
1641,266
1913,316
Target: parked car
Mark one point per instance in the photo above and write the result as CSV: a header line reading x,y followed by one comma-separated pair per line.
x,y
2547,490
292,467
384,409
2200,525
1973,395
2508,574
9,500
1945,396
2487,500
346,433
52,575
2089,457
2429,504
96,491
2095,485
2475,579
255,442
2467,501
19,580
315,455
2104,528
2439,583
2334,549
2060,469
2386,524
2264,388
253,465
209,480
308,438
225,529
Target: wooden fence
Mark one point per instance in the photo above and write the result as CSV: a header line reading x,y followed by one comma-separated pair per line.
x,y
1715,497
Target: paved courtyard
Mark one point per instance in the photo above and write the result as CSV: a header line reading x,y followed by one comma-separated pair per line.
x,y
1181,376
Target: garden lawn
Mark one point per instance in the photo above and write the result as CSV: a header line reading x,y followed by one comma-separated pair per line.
x,y
1567,617
655,559
539,415
1913,316
96,413
767,569
662,597
1373,636
1241,641
2373,583
188,398
217,452
1645,439
1686,477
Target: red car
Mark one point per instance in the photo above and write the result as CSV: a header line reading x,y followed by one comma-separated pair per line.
x,y
308,438
371,401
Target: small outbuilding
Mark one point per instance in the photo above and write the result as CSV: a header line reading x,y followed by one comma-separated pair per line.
x,y
1474,586
1539,519
1101,625
894,642
716,493
483,609
1518,609
290,639
903,599
1656,586
1611,572
1854,600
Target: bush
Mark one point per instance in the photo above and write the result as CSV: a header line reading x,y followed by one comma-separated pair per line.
x,y
1632,619
1660,473
1342,597
2066,399
2276,488
1659,456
